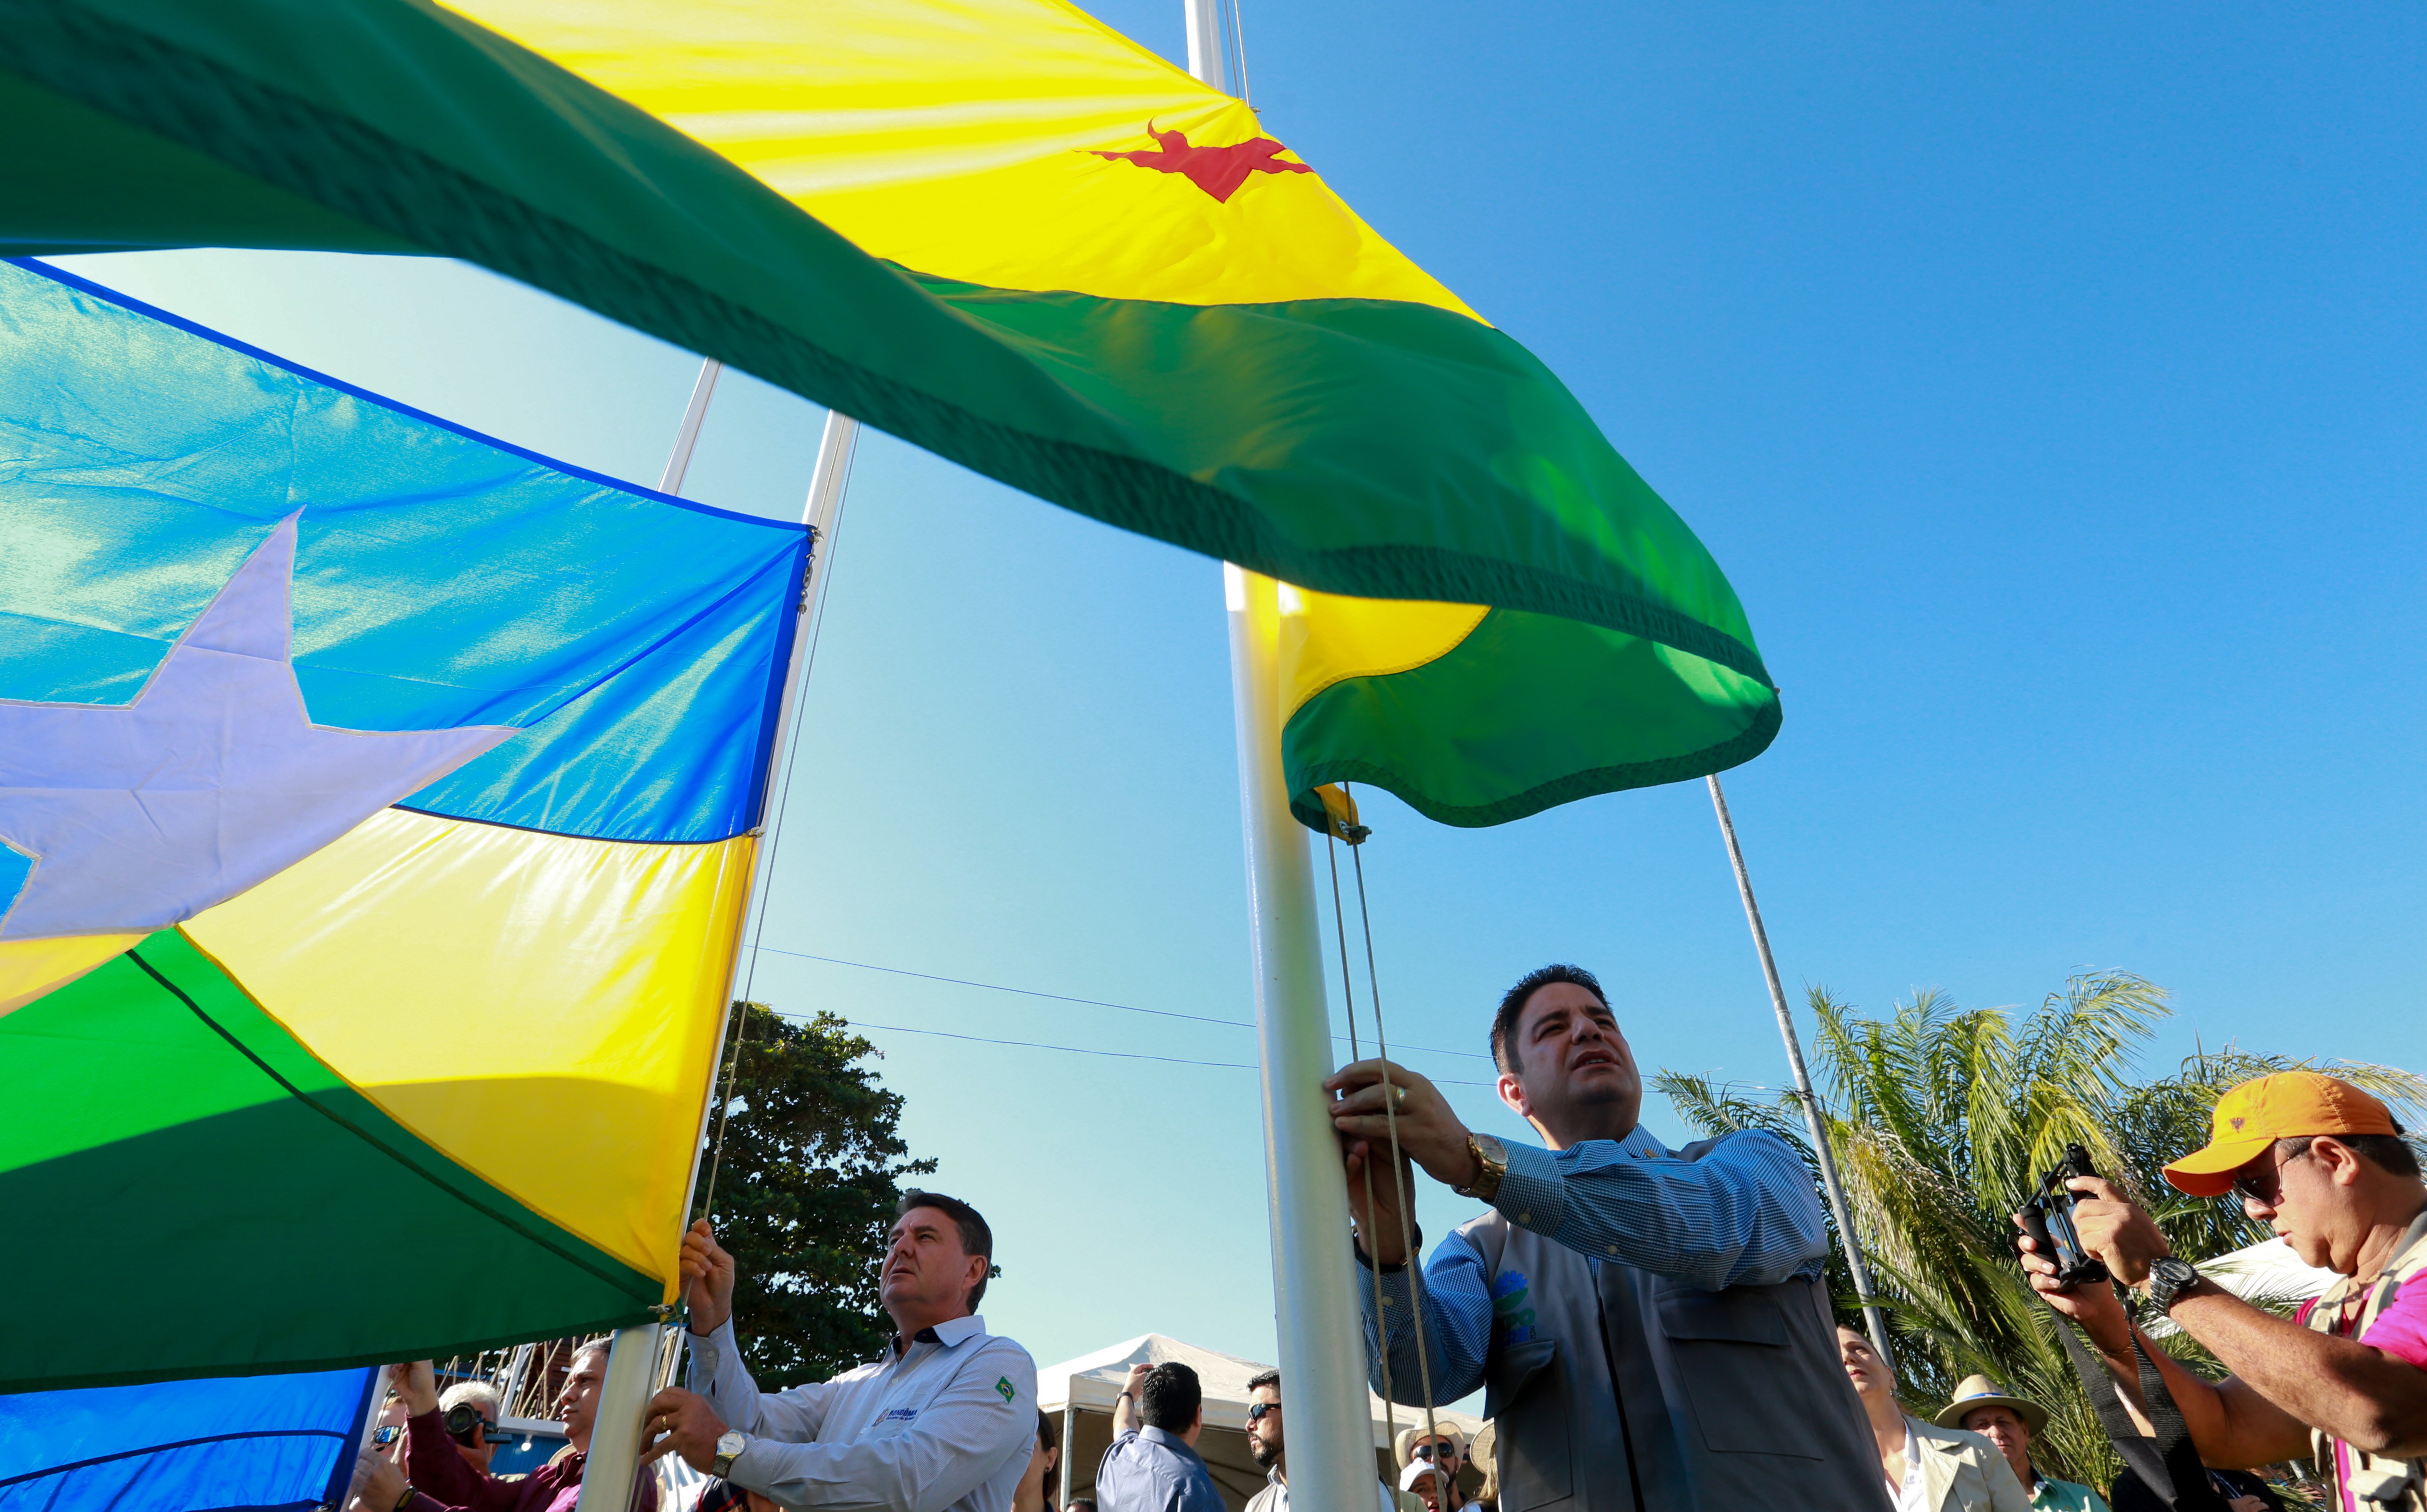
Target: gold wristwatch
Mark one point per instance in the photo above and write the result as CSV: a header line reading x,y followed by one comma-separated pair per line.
x,y
1492,1158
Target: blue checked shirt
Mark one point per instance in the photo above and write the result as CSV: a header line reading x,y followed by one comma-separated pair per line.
x,y
1743,1214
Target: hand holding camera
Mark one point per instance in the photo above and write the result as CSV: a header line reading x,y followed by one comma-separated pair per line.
x,y
2080,1231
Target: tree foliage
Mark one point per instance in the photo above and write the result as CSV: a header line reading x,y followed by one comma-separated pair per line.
x,y
1943,1118
803,1193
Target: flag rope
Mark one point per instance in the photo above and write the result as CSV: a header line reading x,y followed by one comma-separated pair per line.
x,y
1346,828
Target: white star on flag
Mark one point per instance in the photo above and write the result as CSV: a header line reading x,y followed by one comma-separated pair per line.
x,y
141,814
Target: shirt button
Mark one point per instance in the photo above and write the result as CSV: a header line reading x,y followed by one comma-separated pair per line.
x,y
1524,1217
1613,1249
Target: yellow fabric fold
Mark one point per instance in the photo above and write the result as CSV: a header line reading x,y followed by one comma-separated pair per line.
x,y
540,1008
1021,144
1327,639
29,968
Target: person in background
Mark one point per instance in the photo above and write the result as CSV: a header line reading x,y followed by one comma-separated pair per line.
x,y
1081,1504
1429,1484
1484,1455
2324,1165
2241,1492
1153,1465
1269,1446
1598,1298
391,1414
1446,1449
437,1477
1982,1407
479,1443
1925,1468
1035,1492
945,1420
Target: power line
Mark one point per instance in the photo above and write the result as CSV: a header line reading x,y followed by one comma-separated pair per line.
x,y
1033,1044
1091,1003
1067,1050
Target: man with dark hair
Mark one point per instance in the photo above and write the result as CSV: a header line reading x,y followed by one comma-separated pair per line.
x,y
1155,1468
1650,1325
2324,1165
1269,1447
945,1421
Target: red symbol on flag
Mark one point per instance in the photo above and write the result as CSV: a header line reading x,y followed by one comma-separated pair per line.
x,y
1217,170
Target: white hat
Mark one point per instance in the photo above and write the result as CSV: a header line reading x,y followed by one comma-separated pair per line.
x,y
1416,1470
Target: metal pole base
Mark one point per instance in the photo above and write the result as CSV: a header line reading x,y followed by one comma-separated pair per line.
x,y
615,1440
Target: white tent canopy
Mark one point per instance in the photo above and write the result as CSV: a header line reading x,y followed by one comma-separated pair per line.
x,y
1093,1380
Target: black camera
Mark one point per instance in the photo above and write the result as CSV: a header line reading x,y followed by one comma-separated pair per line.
x,y
464,1424
2047,1217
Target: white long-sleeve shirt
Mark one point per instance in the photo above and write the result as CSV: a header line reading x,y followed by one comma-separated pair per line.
x,y
946,1426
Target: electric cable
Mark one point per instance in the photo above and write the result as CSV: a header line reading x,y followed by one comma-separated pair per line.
x,y
1091,1003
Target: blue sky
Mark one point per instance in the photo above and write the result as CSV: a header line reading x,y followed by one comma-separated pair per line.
x,y
2045,380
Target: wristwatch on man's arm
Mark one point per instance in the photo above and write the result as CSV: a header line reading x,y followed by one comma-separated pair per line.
x,y
2170,1279
729,1445
1491,1163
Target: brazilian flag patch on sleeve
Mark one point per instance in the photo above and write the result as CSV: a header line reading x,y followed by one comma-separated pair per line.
x,y
1002,1384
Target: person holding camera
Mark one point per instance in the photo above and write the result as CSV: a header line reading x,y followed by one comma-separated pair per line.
x,y
439,1477
2324,1165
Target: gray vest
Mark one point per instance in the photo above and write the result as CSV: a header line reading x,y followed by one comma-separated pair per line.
x,y
1619,1391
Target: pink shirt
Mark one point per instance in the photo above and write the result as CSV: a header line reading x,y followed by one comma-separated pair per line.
x,y
2400,1330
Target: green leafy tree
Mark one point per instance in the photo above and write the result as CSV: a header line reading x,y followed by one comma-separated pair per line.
x,y
1943,1119
803,1193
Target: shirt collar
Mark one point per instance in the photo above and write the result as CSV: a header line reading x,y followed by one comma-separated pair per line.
x,y
951,1332
1640,1143
1169,1440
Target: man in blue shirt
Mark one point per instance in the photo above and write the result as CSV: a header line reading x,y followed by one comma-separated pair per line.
x,y
1155,1468
1649,1325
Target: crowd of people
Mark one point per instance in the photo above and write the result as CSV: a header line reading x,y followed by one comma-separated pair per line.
x,y
1649,1325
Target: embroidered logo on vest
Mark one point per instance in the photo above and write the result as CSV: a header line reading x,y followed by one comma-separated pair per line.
x,y
1510,1315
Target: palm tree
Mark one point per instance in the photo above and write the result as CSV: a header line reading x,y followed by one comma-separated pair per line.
x,y
1943,1119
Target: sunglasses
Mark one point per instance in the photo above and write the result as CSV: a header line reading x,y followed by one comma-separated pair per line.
x,y
1426,1450
1256,1411
2264,1186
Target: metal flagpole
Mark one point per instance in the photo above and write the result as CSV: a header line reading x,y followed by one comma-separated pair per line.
x,y
1314,1293
1862,1273
687,437
632,1360
362,1431
1315,1308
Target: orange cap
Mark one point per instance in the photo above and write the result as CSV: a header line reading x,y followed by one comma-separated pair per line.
x,y
2259,1112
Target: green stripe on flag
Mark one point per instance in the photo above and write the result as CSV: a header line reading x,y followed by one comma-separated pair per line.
x,y
228,1205
1470,742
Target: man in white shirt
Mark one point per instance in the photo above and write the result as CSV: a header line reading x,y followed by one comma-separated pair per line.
x,y
943,1423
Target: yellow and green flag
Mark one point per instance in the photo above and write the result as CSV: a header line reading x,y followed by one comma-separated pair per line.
x,y
1009,236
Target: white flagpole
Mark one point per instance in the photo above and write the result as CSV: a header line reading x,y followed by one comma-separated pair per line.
x,y
632,1359
1314,1293
1803,1093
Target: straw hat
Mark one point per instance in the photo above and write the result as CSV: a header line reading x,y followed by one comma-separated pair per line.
x,y
1979,1392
